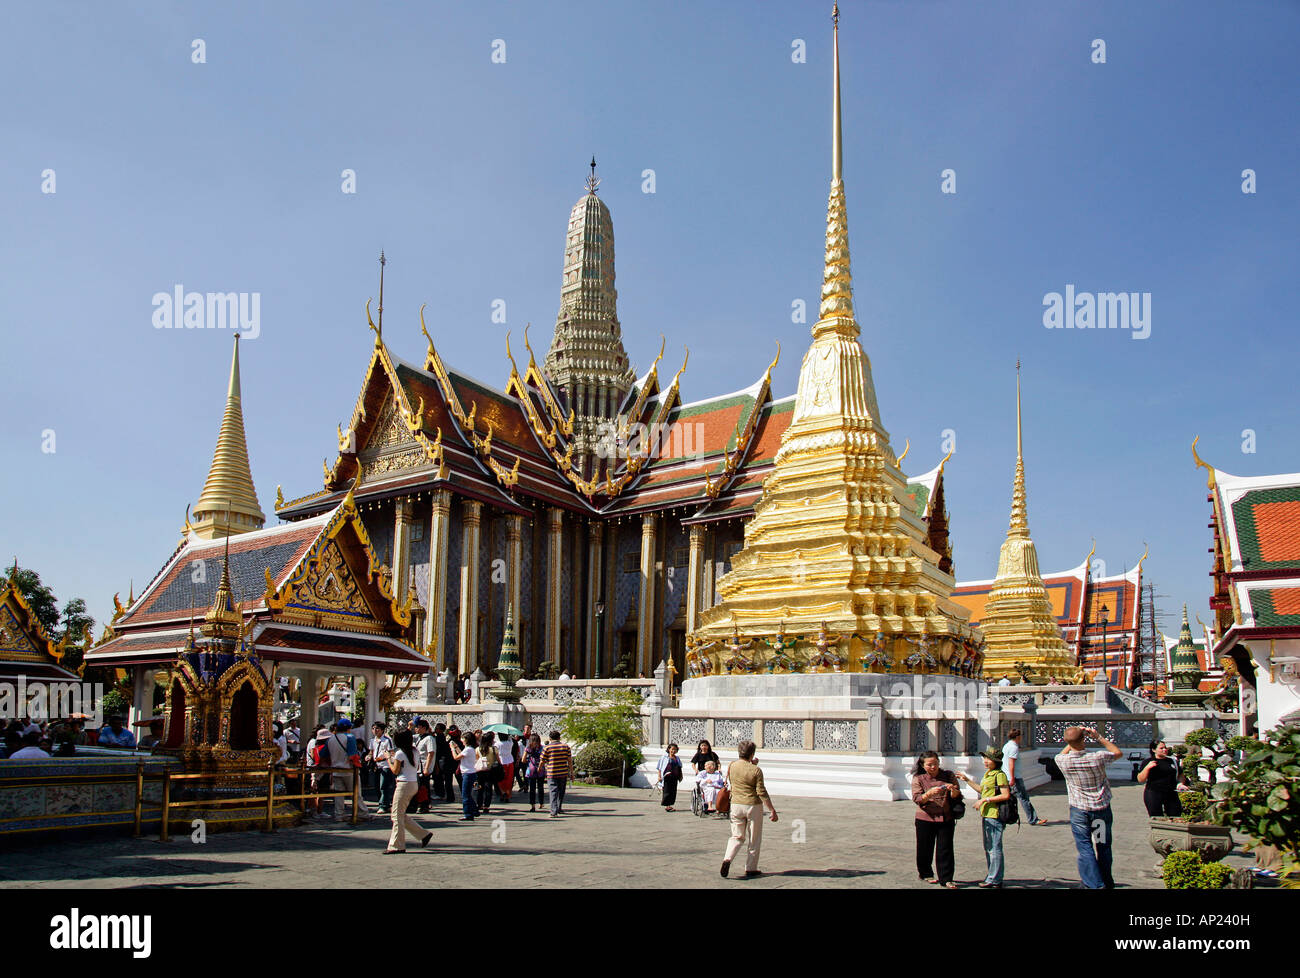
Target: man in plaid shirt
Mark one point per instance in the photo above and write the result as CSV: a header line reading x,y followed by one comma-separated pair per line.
x,y
1089,792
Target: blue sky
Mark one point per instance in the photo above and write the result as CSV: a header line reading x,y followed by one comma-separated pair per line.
x,y
225,176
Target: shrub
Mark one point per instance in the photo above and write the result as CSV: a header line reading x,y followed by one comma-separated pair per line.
x,y
1185,871
603,763
1261,795
614,721
1195,806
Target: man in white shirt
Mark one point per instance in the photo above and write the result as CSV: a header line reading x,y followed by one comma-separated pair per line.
x,y
426,758
30,750
1004,681
564,676
1011,764
381,749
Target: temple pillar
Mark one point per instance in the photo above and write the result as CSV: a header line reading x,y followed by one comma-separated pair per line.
x,y
554,557
374,685
403,514
646,609
595,539
467,651
514,563
435,625
610,653
694,577
142,683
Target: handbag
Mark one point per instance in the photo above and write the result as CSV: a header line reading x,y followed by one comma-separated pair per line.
x,y
722,803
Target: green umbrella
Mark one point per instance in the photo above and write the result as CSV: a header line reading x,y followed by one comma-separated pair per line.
x,y
504,728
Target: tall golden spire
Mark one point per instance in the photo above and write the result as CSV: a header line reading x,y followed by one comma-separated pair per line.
x,y
831,549
1019,514
836,313
228,503
1019,624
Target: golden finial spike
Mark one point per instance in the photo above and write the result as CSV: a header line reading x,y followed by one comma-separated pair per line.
x,y
372,322
907,447
1019,515
532,361
1087,561
424,329
836,311
1146,552
379,332
837,156
514,367
1209,482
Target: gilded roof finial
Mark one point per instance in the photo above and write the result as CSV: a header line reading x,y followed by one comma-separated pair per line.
x,y
1209,482
593,181
379,331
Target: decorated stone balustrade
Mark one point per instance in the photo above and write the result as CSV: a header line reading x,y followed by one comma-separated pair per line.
x,y
1034,697
841,733
564,692
94,789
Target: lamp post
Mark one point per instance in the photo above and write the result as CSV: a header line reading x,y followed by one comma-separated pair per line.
x,y
1105,616
600,635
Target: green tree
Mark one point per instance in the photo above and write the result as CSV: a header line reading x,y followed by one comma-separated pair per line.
x,y
44,605
614,719
71,623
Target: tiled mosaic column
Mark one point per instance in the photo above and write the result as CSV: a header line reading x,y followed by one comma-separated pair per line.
x,y
467,658
646,609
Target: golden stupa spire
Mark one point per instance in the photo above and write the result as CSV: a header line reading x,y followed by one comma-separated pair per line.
x,y
1019,625
830,549
836,313
228,503
223,617
1019,514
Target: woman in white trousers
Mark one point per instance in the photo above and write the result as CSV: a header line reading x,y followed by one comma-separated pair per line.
x,y
402,764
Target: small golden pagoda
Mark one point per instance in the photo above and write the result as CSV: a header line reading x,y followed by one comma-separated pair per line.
x,y
1019,625
228,503
834,567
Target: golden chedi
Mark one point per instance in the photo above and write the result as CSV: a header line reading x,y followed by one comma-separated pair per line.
x,y
833,562
1018,624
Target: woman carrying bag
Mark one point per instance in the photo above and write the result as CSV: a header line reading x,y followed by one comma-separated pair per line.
x,y
937,796
488,768
402,763
670,775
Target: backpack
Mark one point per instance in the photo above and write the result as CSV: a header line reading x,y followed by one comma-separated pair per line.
x,y
1009,811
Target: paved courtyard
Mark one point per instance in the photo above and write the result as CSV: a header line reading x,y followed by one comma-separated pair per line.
x,y
609,837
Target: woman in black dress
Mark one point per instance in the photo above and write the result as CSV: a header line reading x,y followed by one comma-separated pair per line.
x,y
1160,775
703,754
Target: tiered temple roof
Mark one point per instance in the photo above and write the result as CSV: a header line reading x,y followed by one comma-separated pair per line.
x,y
1256,527
308,592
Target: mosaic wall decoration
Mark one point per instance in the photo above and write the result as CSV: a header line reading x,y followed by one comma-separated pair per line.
x,y
783,734
729,733
835,735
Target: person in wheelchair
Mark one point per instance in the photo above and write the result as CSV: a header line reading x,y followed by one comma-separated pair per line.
x,y
710,783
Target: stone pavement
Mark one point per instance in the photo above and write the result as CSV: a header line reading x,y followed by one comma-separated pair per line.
x,y
608,837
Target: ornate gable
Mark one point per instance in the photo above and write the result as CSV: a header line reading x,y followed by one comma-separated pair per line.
x,y
328,586
339,584
15,643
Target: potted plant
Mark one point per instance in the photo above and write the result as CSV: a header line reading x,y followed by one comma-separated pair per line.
x,y
1261,797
